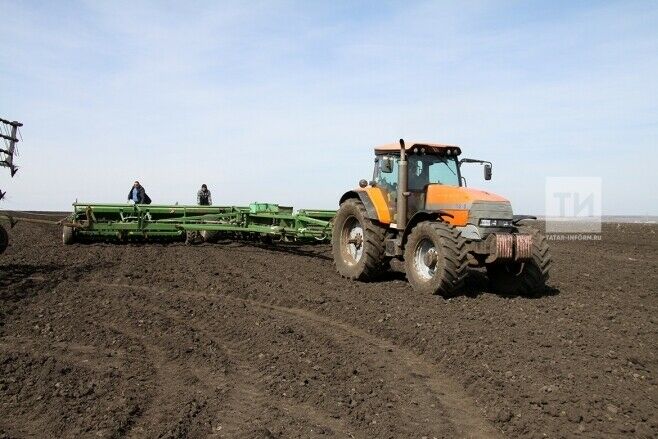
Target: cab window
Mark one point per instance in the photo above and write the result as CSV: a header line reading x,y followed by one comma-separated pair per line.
x,y
386,171
432,169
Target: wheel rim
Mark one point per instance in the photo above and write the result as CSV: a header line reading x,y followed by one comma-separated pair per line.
x,y
426,259
352,241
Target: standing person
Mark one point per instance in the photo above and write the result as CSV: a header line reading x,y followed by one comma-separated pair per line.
x,y
138,195
203,197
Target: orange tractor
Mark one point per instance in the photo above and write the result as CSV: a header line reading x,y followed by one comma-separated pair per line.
x,y
417,209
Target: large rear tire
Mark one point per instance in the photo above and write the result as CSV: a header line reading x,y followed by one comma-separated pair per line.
x,y
435,259
4,239
357,243
68,235
524,278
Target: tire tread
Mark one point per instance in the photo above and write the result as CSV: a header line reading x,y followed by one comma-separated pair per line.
x,y
454,252
535,275
374,248
4,239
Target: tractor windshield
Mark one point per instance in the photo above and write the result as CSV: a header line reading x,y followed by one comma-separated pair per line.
x,y
427,169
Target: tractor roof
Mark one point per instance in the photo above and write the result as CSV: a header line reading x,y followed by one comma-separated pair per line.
x,y
408,145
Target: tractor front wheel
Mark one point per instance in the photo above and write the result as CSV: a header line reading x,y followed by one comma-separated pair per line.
x,y
4,239
435,259
523,278
357,243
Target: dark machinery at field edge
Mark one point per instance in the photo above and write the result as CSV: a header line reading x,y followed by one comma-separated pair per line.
x,y
9,132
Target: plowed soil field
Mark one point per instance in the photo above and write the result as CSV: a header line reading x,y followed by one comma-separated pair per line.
x,y
242,340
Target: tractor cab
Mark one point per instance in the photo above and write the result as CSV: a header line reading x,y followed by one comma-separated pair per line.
x,y
427,164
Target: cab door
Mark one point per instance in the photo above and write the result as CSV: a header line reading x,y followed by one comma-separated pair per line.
x,y
386,179
418,180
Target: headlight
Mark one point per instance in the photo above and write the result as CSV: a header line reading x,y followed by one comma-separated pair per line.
x,y
495,223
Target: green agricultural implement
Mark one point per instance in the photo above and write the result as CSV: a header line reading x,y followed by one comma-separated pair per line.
x,y
194,224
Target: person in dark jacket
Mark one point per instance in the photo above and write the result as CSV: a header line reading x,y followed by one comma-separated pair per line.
x,y
203,197
138,195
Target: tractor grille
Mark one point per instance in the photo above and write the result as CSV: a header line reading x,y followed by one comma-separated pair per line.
x,y
489,210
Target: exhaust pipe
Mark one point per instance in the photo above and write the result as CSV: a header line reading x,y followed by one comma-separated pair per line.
x,y
403,190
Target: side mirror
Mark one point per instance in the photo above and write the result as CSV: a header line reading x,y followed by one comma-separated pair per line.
x,y
487,171
387,165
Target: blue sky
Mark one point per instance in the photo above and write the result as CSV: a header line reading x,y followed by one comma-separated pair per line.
x,y
283,101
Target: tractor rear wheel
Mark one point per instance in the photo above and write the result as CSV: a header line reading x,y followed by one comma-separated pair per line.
x,y
4,239
435,258
524,278
68,235
357,243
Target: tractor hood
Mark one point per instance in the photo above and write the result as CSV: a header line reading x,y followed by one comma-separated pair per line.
x,y
467,206
453,197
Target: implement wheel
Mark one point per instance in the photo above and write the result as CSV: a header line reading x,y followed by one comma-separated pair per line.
x,y
524,278
4,239
357,243
193,237
435,258
68,235
208,236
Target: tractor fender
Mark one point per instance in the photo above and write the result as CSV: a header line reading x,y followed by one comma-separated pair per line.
x,y
365,199
420,216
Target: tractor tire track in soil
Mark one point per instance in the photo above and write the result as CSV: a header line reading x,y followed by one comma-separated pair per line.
x,y
245,340
405,366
